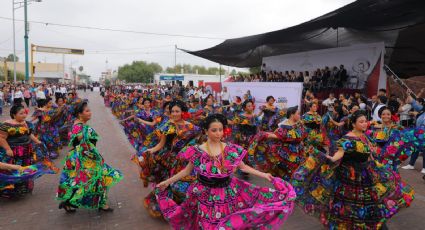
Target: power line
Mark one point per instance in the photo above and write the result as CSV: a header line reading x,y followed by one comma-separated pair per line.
x,y
116,30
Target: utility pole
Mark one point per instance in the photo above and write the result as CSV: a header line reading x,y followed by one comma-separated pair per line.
x,y
14,43
27,72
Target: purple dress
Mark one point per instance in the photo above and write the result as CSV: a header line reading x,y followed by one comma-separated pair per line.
x,y
217,200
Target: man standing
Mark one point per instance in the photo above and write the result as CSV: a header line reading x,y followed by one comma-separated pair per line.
x,y
225,96
382,101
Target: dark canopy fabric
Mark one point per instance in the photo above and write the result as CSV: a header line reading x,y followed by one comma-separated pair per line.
x,y
399,23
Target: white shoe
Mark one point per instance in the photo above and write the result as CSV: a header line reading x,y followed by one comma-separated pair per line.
x,y
423,171
408,167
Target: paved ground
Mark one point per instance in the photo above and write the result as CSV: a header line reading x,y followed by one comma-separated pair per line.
x,y
40,210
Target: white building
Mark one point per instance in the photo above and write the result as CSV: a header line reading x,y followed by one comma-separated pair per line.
x,y
167,78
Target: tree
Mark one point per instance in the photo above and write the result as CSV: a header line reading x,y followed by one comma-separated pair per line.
x,y
139,71
255,70
107,83
196,69
10,58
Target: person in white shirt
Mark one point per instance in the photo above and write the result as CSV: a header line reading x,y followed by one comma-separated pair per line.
x,y
405,118
18,97
382,101
62,90
330,100
225,96
39,94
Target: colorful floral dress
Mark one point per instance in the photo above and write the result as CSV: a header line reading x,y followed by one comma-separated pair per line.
x,y
217,200
271,118
244,129
85,178
280,157
18,138
136,131
334,132
47,129
355,193
316,133
161,165
401,145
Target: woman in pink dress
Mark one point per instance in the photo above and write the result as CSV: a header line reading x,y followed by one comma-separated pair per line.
x,y
217,199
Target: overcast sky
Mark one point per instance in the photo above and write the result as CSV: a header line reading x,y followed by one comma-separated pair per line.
x,y
206,18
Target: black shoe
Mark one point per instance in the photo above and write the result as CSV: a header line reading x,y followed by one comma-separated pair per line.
x,y
68,208
109,209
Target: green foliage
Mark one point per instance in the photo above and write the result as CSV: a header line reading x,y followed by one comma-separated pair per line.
x,y
9,58
255,70
107,83
139,71
187,68
19,76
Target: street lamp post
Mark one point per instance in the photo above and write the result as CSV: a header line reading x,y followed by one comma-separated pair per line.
x,y
19,5
14,43
27,70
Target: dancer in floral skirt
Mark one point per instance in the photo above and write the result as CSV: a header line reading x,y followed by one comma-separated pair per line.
x,y
217,199
85,177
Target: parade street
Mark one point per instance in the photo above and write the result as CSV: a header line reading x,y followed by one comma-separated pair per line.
x,y
39,210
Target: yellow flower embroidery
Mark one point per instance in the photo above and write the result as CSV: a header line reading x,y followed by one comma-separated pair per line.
x,y
108,180
46,118
318,192
380,189
380,135
310,163
359,147
89,164
292,133
23,130
11,131
324,168
72,173
245,122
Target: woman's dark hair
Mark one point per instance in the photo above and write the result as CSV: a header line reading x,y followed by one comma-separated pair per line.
x,y
165,105
238,98
206,99
43,102
309,105
355,116
14,110
179,104
79,108
291,111
214,118
57,99
245,103
269,97
145,100
382,109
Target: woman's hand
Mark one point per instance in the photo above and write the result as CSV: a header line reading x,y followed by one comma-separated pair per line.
x,y
9,152
163,185
38,142
17,167
268,176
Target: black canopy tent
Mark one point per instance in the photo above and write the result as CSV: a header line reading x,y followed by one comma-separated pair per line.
x,y
398,23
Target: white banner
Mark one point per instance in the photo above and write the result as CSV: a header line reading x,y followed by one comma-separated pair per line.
x,y
358,60
286,94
